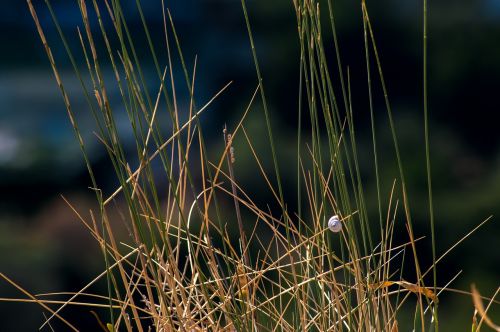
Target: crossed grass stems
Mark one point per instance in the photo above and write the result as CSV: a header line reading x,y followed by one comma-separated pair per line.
x,y
182,268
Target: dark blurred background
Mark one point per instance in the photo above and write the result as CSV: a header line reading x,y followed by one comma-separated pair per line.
x,y
45,249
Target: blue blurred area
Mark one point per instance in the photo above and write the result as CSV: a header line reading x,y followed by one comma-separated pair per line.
x,y
40,159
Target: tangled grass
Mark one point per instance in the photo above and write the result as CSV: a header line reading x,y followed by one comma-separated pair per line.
x,y
201,253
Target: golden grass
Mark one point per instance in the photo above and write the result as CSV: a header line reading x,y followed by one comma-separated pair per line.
x,y
202,254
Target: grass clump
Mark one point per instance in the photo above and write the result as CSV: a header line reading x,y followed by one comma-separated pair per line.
x,y
202,254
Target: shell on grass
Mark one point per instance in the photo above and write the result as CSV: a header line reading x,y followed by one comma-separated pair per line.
x,y
334,224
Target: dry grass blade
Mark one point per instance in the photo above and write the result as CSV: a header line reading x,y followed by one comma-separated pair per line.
x,y
34,299
478,304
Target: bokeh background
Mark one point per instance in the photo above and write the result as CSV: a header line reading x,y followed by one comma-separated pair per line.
x,y
45,249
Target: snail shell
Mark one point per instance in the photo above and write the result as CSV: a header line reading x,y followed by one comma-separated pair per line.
x,y
334,224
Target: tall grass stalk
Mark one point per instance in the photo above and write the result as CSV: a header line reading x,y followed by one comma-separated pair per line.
x,y
427,154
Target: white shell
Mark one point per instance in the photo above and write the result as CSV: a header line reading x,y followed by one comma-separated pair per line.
x,y
334,224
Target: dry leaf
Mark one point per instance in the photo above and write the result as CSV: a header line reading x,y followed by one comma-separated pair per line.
x,y
409,286
242,280
394,326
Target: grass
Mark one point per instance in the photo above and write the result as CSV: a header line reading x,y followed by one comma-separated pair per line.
x,y
202,253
